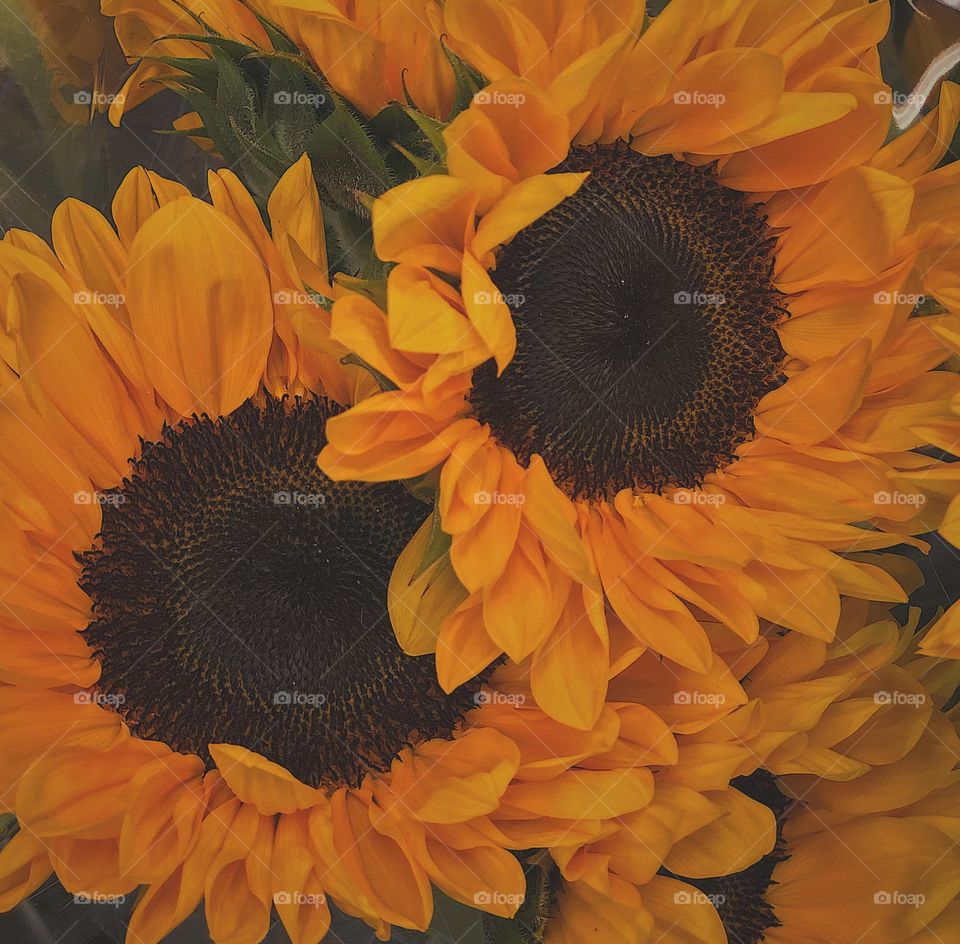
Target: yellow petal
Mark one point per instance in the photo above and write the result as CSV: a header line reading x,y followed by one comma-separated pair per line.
x,y
847,232
237,898
535,132
200,306
741,835
298,893
453,781
361,327
713,97
464,649
425,222
138,197
164,816
682,914
519,605
809,157
523,205
922,147
943,638
63,364
24,866
570,668
586,794
72,789
420,602
256,780
379,865
814,404
296,219
822,889
488,312
421,317
552,515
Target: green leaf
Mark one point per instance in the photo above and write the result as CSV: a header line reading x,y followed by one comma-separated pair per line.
x,y
467,82
385,382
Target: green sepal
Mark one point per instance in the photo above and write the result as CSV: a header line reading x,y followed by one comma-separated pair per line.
x,y
423,167
467,82
214,41
346,162
385,382
373,289
432,131
529,924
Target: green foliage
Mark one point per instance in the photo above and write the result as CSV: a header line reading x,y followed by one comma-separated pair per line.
x,y
261,109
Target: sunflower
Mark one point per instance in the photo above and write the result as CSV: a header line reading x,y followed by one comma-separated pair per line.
x,y
79,51
820,807
369,51
670,355
200,692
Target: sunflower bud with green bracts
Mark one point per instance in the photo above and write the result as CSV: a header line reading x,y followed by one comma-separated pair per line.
x,y
261,109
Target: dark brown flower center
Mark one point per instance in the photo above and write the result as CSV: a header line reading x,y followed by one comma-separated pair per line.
x,y
239,596
740,898
646,321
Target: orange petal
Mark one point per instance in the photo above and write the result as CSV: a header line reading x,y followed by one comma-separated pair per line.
x,y
256,780
848,231
200,305
453,781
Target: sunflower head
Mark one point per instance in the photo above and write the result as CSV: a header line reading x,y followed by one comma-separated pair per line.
x,y
201,691
662,354
646,321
